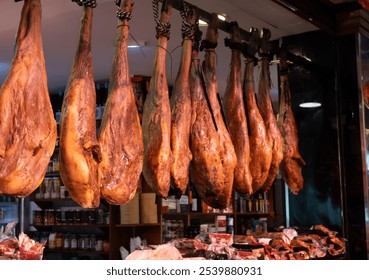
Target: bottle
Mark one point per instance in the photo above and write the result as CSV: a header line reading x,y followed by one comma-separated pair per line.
x,y
196,201
261,203
66,241
73,241
230,225
52,240
59,241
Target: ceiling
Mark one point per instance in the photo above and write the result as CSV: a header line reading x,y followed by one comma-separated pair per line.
x,y
60,27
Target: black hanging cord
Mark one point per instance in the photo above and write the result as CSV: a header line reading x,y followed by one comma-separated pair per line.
x,y
162,28
86,3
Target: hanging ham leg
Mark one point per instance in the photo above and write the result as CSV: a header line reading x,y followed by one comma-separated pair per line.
x,y
261,152
227,155
156,119
180,104
27,125
79,149
206,170
291,165
122,158
235,115
266,110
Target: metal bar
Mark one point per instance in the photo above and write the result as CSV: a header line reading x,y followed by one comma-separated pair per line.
x,y
206,16
21,213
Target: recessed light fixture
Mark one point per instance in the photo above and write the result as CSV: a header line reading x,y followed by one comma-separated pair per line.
x,y
312,104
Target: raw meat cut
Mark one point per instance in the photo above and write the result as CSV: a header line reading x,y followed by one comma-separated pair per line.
x,y
214,158
180,103
291,165
156,119
235,115
267,112
260,149
79,150
120,135
27,125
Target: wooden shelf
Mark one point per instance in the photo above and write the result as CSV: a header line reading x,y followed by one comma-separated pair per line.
x,y
71,225
52,174
73,251
137,225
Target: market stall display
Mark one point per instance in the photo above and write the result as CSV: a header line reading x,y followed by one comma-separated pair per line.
x,y
21,248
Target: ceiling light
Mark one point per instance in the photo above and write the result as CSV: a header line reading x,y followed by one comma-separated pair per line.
x,y
202,23
136,44
310,105
222,17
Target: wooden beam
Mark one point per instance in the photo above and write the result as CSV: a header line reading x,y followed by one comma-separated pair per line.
x,y
206,16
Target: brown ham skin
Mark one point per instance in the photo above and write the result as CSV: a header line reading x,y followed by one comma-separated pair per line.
x,y
180,104
79,150
206,169
235,115
27,125
291,165
260,149
273,133
226,149
156,122
122,156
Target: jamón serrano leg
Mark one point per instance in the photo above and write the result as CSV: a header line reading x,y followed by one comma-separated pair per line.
x,y
156,119
180,103
235,115
291,165
261,152
120,135
225,149
27,125
206,169
266,110
79,150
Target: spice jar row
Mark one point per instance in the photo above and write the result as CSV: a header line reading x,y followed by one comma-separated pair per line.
x,y
72,241
70,216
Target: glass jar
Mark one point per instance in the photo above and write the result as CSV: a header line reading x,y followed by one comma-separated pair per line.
x,y
106,246
52,240
59,241
92,242
73,241
66,241
81,242
37,217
